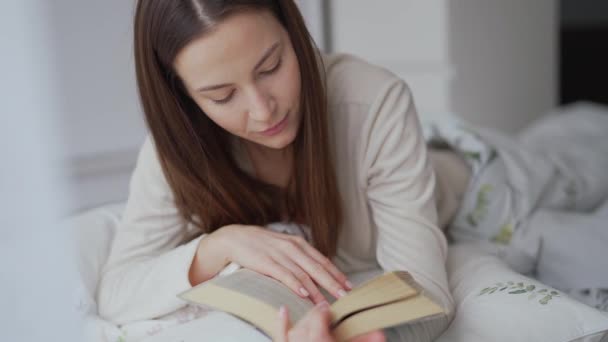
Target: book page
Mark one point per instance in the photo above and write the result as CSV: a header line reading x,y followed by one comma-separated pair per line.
x,y
386,288
265,289
400,312
250,296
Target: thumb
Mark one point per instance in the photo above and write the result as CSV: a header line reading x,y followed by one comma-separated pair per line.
x,y
282,326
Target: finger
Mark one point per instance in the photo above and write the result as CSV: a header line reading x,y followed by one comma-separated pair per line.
x,y
310,288
282,327
315,270
314,326
323,261
284,275
320,320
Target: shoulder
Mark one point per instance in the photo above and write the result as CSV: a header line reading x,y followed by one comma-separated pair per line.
x,y
363,97
148,157
148,173
352,80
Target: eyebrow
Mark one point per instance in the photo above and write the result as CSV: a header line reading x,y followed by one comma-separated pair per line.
x,y
267,54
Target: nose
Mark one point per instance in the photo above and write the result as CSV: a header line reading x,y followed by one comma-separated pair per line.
x,y
261,105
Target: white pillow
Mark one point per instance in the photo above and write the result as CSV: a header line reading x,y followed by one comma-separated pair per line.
x,y
498,304
93,232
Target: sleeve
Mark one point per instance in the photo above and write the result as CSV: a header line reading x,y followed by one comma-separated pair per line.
x,y
148,263
400,190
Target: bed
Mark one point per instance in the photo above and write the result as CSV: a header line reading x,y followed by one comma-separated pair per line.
x,y
494,303
497,297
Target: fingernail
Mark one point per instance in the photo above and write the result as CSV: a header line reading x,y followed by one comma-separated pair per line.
x,y
282,311
304,292
341,293
323,305
349,285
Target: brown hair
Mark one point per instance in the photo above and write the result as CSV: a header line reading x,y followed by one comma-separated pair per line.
x,y
210,190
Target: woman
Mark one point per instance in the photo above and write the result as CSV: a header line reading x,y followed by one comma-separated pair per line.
x,y
250,126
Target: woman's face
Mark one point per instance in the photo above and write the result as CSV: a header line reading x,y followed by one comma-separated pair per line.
x,y
245,76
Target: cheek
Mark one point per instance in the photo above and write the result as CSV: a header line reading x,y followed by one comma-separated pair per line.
x,y
292,84
227,120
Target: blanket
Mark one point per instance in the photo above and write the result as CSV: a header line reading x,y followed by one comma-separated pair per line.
x,y
535,199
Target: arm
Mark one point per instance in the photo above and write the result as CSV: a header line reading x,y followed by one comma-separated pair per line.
x,y
148,265
400,187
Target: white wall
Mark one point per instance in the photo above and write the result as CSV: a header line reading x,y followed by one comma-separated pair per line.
x,y
102,121
94,44
505,53
408,37
491,62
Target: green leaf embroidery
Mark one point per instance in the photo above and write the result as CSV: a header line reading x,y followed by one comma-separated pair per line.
x,y
545,300
504,235
484,291
517,292
481,206
472,155
521,288
122,337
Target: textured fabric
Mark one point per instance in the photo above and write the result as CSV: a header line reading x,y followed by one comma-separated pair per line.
x,y
498,304
559,163
537,203
385,180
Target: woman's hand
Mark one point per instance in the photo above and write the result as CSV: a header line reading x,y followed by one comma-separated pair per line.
x,y
314,327
286,258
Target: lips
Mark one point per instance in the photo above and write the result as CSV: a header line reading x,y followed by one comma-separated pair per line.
x,y
276,128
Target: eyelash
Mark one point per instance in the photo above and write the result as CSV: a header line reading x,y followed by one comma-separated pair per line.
x,y
267,72
274,69
224,100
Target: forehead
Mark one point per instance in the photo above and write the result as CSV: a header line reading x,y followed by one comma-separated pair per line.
x,y
233,47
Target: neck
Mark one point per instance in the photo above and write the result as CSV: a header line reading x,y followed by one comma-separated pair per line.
x,y
270,165
269,154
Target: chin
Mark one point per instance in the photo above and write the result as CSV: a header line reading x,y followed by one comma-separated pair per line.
x,y
280,141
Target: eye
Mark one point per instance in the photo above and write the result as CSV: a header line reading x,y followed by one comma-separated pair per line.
x,y
225,99
273,70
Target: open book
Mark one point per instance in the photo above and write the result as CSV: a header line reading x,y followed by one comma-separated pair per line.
x,y
387,300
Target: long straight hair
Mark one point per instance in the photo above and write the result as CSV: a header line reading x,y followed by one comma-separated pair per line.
x,y
210,190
